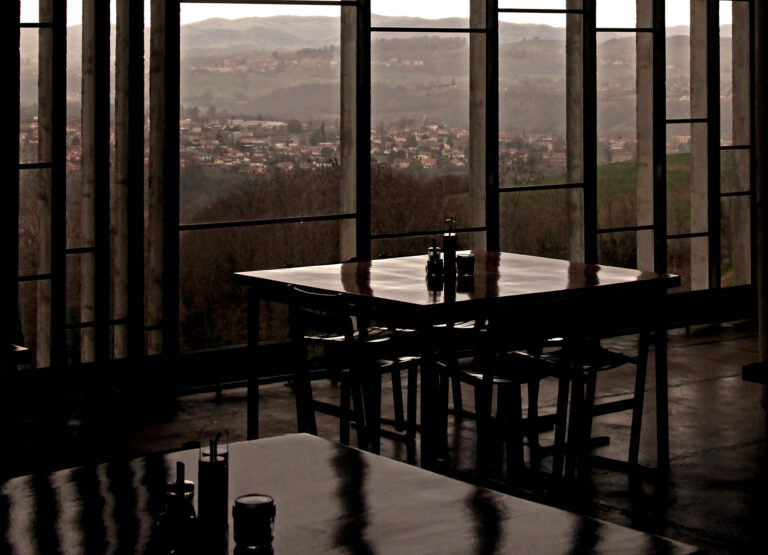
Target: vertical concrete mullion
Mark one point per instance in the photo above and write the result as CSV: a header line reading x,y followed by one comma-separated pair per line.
x,y
645,128
348,235
88,176
761,175
574,77
128,189
157,175
739,225
45,151
699,140
477,121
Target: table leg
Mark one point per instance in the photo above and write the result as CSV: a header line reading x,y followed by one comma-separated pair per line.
x,y
662,394
252,409
430,391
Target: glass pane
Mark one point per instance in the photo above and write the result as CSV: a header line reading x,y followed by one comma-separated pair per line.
x,y
726,75
537,223
28,312
33,99
407,246
678,59
540,4
30,11
679,175
735,171
620,249
260,128
405,13
213,308
735,264
533,107
623,13
617,110
735,76
679,254
420,135
34,221
77,264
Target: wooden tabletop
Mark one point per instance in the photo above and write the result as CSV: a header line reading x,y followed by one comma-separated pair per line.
x,y
402,280
329,498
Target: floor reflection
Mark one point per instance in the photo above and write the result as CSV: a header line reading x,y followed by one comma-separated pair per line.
x,y
487,517
351,470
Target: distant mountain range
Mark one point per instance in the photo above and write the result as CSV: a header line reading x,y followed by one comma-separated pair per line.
x,y
296,32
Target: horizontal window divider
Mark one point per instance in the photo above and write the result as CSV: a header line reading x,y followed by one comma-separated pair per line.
x,y
36,166
382,236
274,221
625,229
687,120
540,10
288,2
736,194
428,30
92,324
80,250
540,187
735,147
153,327
688,235
29,25
36,277
624,30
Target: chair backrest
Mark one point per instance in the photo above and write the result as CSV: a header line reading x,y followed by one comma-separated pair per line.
x,y
317,313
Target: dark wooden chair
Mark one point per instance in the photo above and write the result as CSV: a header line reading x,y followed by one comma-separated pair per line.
x,y
333,340
582,353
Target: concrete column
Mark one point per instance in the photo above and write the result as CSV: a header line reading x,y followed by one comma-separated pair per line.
x,y
761,176
156,192
699,137
737,213
574,134
347,149
644,156
88,177
119,196
44,122
761,179
477,119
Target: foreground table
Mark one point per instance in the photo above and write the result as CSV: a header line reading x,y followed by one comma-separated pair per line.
x,y
330,499
395,290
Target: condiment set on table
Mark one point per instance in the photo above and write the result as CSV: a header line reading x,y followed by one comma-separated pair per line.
x,y
452,269
182,531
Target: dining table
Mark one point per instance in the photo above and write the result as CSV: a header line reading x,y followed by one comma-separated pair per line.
x,y
328,498
398,291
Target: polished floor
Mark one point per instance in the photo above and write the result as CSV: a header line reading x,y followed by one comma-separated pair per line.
x,y
714,496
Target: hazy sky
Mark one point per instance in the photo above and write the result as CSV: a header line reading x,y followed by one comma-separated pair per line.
x,y
611,13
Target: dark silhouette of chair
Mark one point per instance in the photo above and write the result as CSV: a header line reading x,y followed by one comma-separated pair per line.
x,y
333,341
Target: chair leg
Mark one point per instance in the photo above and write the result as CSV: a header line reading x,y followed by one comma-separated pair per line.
x,y
575,423
344,405
412,400
397,399
458,403
305,411
587,414
510,413
359,412
533,418
637,407
483,401
411,413
372,403
560,425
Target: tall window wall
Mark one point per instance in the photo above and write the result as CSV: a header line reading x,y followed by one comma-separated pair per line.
x,y
308,132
